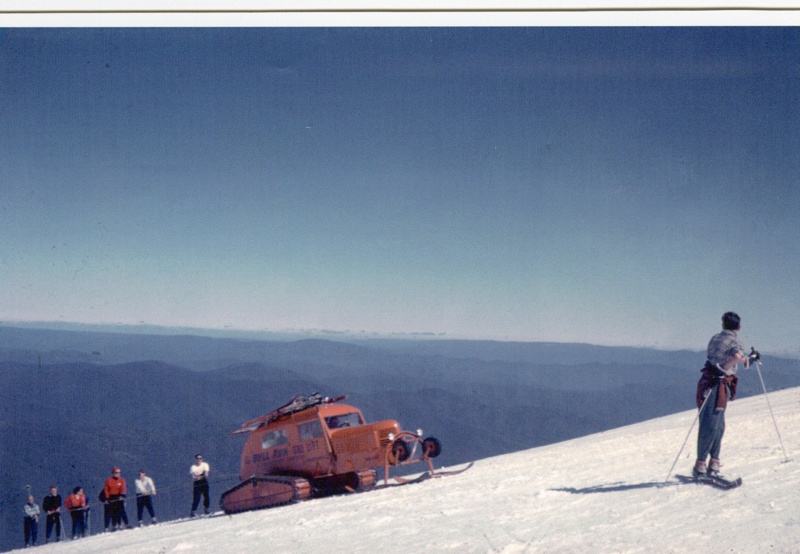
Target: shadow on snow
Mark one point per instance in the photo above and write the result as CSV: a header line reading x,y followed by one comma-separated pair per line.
x,y
619,486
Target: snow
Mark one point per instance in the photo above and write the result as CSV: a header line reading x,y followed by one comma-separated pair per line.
x,y
600,493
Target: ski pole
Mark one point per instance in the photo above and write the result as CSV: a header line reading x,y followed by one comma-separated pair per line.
x,y
696,417
769,405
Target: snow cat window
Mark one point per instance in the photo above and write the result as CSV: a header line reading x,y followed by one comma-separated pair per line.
x,y
275,438
346,420
310,430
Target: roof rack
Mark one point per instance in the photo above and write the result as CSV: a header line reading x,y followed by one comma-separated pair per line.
x,y
298,403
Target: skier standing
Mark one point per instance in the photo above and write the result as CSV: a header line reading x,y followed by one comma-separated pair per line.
x,y
77,507
31,521
51,505
106,510
116,489
716,386
199,472
145,490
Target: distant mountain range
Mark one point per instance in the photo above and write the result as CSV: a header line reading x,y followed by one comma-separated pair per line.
x,y
74,403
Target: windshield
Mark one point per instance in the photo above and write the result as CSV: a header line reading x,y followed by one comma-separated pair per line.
x,y
346,420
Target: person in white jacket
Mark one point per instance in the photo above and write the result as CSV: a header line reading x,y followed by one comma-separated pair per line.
x,y
145,491
31,521
199,472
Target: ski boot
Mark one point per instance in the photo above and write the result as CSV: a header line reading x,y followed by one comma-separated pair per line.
x,y
699,469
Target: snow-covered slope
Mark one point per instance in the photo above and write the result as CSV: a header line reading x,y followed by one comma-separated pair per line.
x,y
600,493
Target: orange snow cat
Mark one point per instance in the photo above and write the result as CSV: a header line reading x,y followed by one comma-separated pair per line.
x,y
313,445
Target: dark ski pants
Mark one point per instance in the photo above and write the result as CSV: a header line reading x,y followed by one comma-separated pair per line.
x,y
78,524
712,427
200,489
53,520
106,516
116,506
144,501
31,528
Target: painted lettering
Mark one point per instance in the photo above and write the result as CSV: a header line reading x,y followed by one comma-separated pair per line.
x,y
280,453
260,457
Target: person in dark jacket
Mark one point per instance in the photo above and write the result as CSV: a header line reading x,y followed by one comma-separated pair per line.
x,y
717,385
51,505
106,510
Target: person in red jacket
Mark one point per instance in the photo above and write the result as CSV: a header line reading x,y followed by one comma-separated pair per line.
x,y
77,507
116,489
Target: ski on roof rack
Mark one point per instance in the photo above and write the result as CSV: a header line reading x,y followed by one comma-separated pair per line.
x,y
296,404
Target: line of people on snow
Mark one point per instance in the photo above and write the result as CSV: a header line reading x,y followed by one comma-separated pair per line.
x,y
75,504
112,496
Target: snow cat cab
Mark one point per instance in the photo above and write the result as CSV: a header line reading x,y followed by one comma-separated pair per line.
x,y
316,446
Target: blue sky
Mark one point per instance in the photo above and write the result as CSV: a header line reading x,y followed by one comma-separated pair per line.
x,y
620,186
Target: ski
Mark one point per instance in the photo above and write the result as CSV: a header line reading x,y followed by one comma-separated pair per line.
x,y
436,473
183,520
452,472
407,481
296,404
399,480
716,481
721,482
